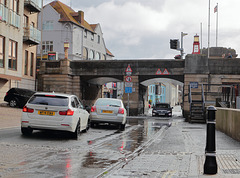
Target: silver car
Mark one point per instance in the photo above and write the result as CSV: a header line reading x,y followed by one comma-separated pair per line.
x,y
108,110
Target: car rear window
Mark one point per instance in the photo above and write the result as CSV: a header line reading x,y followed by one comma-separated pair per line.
x,y
162,106
49,100
104,102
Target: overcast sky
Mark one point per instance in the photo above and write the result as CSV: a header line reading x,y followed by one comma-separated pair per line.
x,y
135,29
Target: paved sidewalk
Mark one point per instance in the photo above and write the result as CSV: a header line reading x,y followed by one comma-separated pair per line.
x,y
9,117
180,152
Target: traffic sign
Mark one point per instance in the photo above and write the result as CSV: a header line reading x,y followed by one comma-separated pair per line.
x,y
128,89
194,84
128,84
159,72
128,79
128,69
128,73
165,72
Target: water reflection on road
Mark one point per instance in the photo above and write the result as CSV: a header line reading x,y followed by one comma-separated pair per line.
x,y
125,143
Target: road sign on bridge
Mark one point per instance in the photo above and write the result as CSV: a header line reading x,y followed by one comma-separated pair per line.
x,y
128,70
128,79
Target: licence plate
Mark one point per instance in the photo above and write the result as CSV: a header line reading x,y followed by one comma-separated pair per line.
x,y
49,113
106,111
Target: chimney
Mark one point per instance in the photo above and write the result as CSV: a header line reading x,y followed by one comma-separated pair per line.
x,y
81,17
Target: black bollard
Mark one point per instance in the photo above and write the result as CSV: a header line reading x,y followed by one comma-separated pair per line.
x,y
210,165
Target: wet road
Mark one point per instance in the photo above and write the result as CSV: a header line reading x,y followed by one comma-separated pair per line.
x,y
54,154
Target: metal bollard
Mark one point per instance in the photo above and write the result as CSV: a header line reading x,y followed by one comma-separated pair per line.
x,y
210,165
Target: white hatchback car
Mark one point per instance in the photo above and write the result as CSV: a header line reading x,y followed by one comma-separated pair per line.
x,y
52,111
108,110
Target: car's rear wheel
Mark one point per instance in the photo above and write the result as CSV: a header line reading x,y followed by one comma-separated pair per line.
x,y
122,127
13,103
26,131
77,132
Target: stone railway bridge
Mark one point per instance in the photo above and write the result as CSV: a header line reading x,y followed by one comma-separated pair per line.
x,y
84,78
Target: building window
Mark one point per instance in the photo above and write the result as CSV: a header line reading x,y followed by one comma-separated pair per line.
x,y
14,5
91,55
2,47
85,33
12,55
98,56
25,21
103,57
31,64
48,25
85,53
98,39
47,46
26,63
92,36
4,2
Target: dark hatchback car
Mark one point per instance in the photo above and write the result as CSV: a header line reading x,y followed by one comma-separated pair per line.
x,y
18,97
162,109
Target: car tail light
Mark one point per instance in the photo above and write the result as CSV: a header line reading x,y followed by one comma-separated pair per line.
x,y
69,112
6,93
26,109
93,109
120,111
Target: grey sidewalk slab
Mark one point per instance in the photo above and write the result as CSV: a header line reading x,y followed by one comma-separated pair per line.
x,y
180,152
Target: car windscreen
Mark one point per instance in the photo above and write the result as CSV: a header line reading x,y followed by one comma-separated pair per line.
x,y
162,106
49,100
114,103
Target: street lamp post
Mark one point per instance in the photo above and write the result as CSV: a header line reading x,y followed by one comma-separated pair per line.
x,y
181,49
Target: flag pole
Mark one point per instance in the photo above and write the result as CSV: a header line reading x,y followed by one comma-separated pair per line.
x,y
217,26
208,29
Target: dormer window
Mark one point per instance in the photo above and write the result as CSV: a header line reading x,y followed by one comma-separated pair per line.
x,y
98,39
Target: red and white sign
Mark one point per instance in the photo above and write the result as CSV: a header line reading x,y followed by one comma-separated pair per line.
x,y
128,69
128,79
165,72
159,72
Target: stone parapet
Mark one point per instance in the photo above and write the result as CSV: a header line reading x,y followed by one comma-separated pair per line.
x,y
228,122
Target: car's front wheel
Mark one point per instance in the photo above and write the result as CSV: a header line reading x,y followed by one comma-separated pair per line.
x,y
13,103
26,131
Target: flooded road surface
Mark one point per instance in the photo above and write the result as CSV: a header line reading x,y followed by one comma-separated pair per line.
x,y
53,154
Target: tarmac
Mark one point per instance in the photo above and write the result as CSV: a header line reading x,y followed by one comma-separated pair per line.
x,y
175,151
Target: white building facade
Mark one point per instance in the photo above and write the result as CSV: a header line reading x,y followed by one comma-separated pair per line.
x,y
61,24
